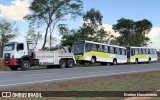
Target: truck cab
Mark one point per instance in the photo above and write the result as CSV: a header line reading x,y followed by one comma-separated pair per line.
x,y
18,54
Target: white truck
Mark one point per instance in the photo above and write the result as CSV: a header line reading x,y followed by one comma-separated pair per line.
x,y
19,54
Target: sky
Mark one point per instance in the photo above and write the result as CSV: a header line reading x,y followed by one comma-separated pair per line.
x,y
112,10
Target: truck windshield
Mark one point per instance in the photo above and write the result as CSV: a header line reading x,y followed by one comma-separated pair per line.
x,y
9,47
78,49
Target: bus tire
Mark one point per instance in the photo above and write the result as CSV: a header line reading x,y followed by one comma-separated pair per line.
x,y
136,61
13,68
149,60
93,60
114,61
70,63
25,65
62,63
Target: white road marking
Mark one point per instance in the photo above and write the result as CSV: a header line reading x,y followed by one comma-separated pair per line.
x,y
77,77
39,74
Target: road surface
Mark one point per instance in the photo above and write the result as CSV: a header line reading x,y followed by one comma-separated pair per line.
x,y
21,78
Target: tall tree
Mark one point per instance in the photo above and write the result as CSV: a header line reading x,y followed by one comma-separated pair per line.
x,y
51,12
132,33
7,32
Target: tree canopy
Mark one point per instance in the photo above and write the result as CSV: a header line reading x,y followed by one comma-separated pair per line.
x,y
132,33
7,32
50,12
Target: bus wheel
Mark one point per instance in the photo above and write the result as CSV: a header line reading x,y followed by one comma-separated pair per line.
x,y
114,61
25,65
136,61
149,60
70,63
93,60
62,63
14,68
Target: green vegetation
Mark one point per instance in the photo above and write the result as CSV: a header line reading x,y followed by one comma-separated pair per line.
x,y
132,33
8,31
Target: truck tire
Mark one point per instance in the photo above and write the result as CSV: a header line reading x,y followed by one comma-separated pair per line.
x,y
62,63
25,65
14,68
70,63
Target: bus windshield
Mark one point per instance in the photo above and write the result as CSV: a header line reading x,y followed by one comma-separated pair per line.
x,y
9,47
78,49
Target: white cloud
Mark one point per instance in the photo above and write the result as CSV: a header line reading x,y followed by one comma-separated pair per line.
x,y
108,28
16,11
155,37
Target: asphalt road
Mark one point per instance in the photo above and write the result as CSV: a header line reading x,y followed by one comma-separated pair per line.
x,y
21,78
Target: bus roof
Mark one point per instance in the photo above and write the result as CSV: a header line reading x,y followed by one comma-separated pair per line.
x,y
86,41
140,47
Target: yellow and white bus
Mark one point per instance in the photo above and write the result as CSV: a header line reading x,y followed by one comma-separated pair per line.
x,y
141,54
88,51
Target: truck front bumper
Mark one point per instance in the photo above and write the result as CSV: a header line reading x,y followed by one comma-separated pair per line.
x,y
10,62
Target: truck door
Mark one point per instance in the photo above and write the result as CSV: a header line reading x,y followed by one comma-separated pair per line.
x,y
21,50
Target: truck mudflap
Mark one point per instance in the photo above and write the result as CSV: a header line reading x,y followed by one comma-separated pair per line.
x,y
10,62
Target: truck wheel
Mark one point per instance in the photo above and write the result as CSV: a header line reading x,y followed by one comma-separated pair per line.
x,y
14,68
70,63
62,63
25,65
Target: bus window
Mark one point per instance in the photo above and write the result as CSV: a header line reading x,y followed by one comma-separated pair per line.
x,y
118,51
100,48
155,51
124,52
132,51
94,47
88,47
149,51
139,51
111,50
144,51
152,51
136,51
106,49
115,50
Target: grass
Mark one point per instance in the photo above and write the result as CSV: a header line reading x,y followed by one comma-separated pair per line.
x,y
148,81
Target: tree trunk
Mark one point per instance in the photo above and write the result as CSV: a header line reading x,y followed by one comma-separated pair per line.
x,y
45,37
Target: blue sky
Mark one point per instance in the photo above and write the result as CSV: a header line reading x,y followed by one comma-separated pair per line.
x,y
112,10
